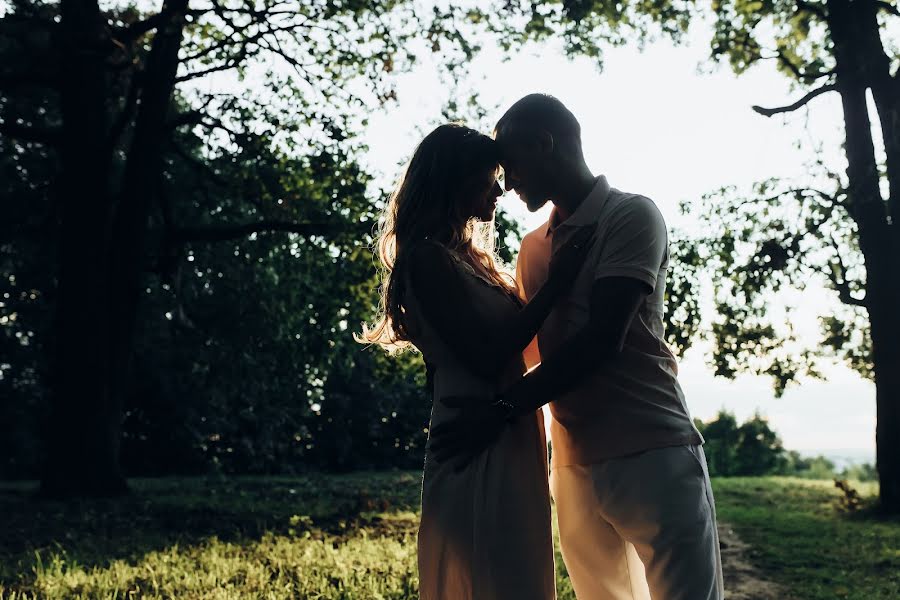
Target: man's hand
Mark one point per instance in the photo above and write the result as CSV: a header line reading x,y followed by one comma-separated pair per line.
x,y
464,437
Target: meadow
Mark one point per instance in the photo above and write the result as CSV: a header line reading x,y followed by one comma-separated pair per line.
x,y
352,536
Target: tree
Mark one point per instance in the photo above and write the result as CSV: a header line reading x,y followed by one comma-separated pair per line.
x,y
760,448
750,449
816,467
721,436
114,90
841,228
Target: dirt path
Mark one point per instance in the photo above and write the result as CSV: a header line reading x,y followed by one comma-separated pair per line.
x,y
743,581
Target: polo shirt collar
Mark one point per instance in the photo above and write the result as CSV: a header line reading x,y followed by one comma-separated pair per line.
x,y
587,212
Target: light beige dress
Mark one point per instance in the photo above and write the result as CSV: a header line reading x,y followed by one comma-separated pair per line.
x,y
485,532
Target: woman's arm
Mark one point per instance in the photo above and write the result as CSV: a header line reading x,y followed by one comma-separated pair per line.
x,y
614,303
485,345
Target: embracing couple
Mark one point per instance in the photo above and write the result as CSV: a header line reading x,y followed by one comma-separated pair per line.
x,y
584,313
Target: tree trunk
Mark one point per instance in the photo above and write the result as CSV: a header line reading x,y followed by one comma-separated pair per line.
x,y
101,250
860,65
84,428
141,181
885,333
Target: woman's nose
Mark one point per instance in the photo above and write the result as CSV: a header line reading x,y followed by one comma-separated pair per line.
x,y
497,190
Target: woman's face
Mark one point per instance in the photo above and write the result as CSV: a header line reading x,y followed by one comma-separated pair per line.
x,y
482,197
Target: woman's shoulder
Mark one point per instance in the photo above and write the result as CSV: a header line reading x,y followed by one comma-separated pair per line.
x,y
427,258
430,260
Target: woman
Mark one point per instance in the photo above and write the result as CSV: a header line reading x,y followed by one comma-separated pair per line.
x,y
485,532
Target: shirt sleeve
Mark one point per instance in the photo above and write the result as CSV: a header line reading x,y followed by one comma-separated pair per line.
x,y
636,244
519,268
531,355
525,269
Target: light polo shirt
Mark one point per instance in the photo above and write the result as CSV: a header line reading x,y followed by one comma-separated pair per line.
x,y
632,402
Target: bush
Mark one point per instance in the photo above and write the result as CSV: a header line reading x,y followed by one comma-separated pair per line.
x,y
754,448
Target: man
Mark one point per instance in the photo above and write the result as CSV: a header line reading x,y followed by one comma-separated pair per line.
x,y
628,474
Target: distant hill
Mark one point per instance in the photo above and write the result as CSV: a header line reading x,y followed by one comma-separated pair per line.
x,y
843,457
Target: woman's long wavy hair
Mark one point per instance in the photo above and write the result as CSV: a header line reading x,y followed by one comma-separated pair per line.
x,y
449,167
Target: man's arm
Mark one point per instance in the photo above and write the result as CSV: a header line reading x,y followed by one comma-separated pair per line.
x,y
614,303
531,354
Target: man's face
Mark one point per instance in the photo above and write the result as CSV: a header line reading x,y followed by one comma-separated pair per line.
x,y
525,168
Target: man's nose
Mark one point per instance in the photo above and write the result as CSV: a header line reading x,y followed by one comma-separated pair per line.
x,y
508,183
497,191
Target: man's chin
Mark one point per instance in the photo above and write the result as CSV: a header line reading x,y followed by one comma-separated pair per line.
x,y
535,204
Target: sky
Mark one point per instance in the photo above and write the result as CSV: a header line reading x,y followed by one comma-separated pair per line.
x,y
662,123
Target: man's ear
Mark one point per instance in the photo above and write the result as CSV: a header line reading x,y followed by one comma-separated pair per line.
x,y
545,141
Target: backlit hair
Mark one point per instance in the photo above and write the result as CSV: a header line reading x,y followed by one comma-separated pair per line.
x,y
450,162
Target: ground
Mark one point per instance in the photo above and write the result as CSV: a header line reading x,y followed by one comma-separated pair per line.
x,y
353,536
743,580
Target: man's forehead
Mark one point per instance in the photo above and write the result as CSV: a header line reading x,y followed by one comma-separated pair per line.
x,y
516,136
505,153
508,143
508,132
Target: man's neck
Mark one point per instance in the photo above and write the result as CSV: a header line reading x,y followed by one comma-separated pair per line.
x,y
573,193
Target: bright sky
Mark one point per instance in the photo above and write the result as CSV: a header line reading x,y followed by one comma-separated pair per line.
x,y
654,123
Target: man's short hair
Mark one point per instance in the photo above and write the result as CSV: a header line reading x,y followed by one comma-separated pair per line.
x,y
540,111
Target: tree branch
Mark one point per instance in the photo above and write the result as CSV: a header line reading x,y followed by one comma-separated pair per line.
x,y
768,112
798,194
13,81
30,134
190,117
230,232
198,165
801,75
816,9
200,117
204,72
130,33
127,113
888,7
837,274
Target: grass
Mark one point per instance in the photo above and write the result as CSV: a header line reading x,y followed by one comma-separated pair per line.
x,y
353,536
799,537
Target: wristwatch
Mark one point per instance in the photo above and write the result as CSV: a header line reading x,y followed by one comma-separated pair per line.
x,y
505,405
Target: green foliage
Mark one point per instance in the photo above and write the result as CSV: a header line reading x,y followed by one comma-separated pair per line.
x,y
586,26
814,467
749,449
258,265
247,537
27,268
753,448
863,472
353,536
801,539
769,242
683,317
791,33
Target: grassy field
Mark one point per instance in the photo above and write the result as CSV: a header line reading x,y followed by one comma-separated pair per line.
x,y
353,536
800,538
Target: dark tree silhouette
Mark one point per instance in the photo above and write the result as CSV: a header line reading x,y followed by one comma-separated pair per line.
x,y
117,88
